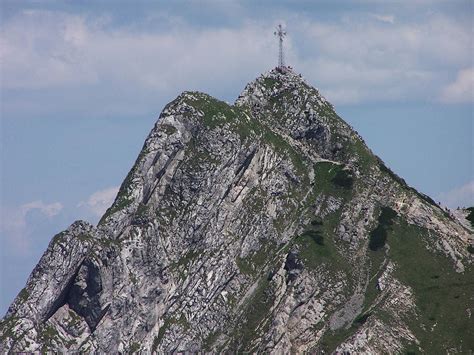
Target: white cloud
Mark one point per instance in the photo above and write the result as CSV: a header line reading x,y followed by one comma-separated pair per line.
x,y
99,201
368,61
49,210
13,222
124,69
462,196
462,89
384,18
44,49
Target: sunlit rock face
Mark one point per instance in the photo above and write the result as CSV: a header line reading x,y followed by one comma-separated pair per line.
x,y
267,225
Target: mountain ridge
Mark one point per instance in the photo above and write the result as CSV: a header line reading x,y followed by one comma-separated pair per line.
x,y
267,225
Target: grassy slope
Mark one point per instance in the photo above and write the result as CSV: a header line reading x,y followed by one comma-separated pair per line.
x,y
442,295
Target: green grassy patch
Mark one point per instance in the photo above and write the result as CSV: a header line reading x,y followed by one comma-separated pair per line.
x,y
197,157
385,169
365,159
218,113
181,265
362,318
253,264
141,210
442,295
333,179
6,326
378,236
215,112
282,146
209,341
332,339
317,221
58,237
167,323
74,319
313,250
156,342
343,178
23,295
271,83
47,335
168,129
134,347
123,198
316,245
375,270
255,318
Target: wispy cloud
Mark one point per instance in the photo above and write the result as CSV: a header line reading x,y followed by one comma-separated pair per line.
x,y
76,50
98,65
462,196
99,201
14,227
49,210
384,18
22,227
462,89
367,61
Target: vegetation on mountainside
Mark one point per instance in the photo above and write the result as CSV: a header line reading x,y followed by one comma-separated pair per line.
x,y
169,322
217,113
255,319
325,205
442,295
470,216
441,321
317,247
253,263
378,236
385,169
333,180
123,198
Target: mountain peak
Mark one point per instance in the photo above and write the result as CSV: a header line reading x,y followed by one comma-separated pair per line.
x,y
283,97
264,226
270,83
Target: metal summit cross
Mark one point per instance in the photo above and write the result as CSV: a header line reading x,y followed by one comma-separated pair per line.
x,y
280,33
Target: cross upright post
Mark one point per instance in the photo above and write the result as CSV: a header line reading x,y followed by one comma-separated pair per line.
x,y
280,33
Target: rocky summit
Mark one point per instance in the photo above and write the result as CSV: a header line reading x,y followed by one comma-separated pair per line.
x,y
263,226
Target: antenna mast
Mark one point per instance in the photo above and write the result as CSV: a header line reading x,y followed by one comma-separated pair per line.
x,y
280,33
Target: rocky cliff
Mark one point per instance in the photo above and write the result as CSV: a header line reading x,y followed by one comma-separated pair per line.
x,y
267,225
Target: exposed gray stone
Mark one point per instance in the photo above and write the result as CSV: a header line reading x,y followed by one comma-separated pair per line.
x,y
205,248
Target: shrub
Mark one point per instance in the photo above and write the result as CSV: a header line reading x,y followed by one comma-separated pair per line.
x,y
344,179
361,319
378,236
316,236
387,216
470,216
317,221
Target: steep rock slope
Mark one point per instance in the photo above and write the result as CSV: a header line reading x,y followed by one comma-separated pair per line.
x,y
267,225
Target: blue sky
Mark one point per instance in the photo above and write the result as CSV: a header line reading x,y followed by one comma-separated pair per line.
x,y
82,83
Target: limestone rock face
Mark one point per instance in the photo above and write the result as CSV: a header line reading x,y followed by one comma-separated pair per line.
x,y
266,225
